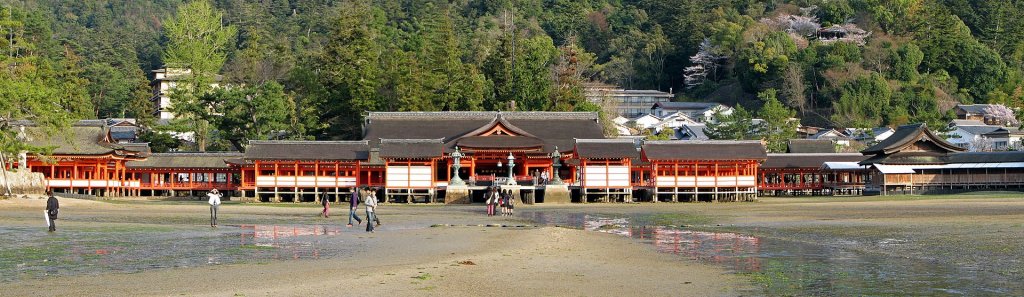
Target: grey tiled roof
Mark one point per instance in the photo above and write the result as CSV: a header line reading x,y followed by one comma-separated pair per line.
x,y
76,140
906,135
811,161
206,160
703,150
686,105
307,150
805,146
973,108
606,149
411,148
979,130
694,132
553,128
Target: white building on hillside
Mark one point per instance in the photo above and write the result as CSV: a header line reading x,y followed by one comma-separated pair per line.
x,y
628,103
165,80
698,111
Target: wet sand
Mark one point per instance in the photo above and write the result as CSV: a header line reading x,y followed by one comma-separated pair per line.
x,y
969,236
404,258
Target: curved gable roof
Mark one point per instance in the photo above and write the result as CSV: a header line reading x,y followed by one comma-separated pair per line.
x,y
907,135
553,128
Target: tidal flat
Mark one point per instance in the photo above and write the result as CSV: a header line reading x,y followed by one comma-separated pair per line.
x,y
948,245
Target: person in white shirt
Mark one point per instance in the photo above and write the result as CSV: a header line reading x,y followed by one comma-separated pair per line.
x,y
371,205
214,203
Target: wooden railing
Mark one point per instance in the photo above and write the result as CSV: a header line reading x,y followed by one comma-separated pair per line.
x,y
187,185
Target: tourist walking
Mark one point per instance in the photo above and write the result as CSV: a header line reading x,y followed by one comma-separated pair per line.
x,y
326,202
52,207
371,205
353,205
214,204
376,218
544,177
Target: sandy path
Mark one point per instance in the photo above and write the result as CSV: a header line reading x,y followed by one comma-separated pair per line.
x,y
545,261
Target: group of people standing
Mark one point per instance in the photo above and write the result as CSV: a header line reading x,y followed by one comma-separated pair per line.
x,y
500,199
369,198
365,194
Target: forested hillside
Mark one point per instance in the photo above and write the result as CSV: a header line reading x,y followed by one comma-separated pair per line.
x,y
313,68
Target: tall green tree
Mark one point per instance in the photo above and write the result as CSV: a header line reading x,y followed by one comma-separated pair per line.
x,y
520,70
737,125
569,75
35,85
198,42
948,44
250,113
778,126
351,71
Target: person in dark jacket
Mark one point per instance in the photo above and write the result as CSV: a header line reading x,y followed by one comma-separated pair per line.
x,y
326,202
52,206
353,204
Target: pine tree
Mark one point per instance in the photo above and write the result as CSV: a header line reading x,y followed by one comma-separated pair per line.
x,y
352,75
779,125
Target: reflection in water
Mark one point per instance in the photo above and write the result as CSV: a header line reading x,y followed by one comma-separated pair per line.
x,y
736,251
826,266
295,242
25,255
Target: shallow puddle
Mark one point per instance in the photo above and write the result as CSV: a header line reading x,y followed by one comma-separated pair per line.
x,y
28,255
826,267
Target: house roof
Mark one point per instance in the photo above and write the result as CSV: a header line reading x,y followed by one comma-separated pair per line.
x,y
307,150
695,132
140,148
123,132
606,149
808,160
959,123
651,116
864,133
83,137
987,157
907,135
907,158
700,106
833,166
617,92
833,133
209,160
553,128
703,150
411,148
76,140
1013,159
805,146
979,130
973,108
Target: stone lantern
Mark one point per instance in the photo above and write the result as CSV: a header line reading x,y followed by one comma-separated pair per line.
x,y
457,157
556,158
511,165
